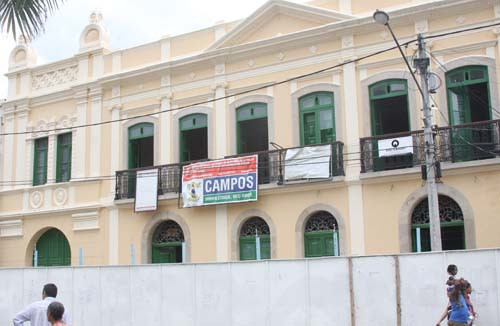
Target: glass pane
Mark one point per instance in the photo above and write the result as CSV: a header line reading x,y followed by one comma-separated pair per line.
x,y
201,121
325,99
325,119
260,111
476,74
66,155
457,105
457,77
140,131
379,90
64,139
397,87
187,123
308,102
244,113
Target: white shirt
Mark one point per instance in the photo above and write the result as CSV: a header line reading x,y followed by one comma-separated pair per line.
x,y
36,313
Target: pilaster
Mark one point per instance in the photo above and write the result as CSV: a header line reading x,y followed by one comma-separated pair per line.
x,y
51,154
219,89
166,136
95,132
354,188
115,135
8,147
79,155
22,121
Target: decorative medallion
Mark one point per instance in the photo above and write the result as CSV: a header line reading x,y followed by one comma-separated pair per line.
x,y
313,49
192,75
36,199
281,56
251,63
460,20
60,196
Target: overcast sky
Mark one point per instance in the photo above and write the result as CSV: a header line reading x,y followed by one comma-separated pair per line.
x,y
130,23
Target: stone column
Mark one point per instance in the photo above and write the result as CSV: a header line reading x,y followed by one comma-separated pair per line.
x,y
352,171
114,149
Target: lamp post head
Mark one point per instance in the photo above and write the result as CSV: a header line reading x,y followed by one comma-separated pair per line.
x,y
381,17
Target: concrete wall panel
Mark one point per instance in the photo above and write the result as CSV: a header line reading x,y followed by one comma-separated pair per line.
x,y
288,290
249,293
423,277
178,305
11,302
329,294
116,297
146,294
86,296
374,283
213,294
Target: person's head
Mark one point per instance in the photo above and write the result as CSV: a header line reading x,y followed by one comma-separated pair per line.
x,y
55,312
468,287
452,269
49,290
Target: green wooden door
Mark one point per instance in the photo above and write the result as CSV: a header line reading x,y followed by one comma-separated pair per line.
x,y
317,118
320,243
468,101
389,114
452,236
63,165
187,145
139,136
40,161
166,253
53,249
248,248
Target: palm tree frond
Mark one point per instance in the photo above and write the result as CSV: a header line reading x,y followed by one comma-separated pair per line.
x,y
26,16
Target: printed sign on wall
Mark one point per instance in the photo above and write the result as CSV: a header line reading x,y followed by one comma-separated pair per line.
x,y
395,146
146,191
224,181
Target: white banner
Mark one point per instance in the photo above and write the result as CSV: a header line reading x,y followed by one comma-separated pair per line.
x,y
146,190
395,146
308,162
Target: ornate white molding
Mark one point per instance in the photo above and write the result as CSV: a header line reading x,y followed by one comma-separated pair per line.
x,y
55,78
86,221
12,228
36,199
60,197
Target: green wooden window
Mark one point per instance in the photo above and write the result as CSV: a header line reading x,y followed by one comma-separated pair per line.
x,y
452,225
468,94
40,161
63,165
321,237
252,228
193,137
251,128
317,118
167,243
389,107
53,249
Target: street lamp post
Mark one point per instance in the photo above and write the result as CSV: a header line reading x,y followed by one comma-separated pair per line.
x,y
422,64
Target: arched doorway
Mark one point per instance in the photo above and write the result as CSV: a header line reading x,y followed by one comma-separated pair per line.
x,y
52,249
452,225
255,227
321,236
167,243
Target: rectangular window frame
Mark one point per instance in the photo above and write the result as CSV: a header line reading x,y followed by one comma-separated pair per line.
x,y
37,181
59,163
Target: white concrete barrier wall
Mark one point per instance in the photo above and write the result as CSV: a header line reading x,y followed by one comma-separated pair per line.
x,y
378,290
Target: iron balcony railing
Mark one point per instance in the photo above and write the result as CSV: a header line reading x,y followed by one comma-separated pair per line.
x,y
271,165
460,143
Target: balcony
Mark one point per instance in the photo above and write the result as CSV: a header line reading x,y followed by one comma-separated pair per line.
x,y
271,168
460,143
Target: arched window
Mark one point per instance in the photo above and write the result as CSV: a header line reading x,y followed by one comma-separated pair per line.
x,y
317,118
321,236
167,243
255,229
469,101
251,128
141,145
52,249
452,225
193,138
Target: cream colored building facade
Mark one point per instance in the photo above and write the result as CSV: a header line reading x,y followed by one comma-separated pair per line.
x,y
229,66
